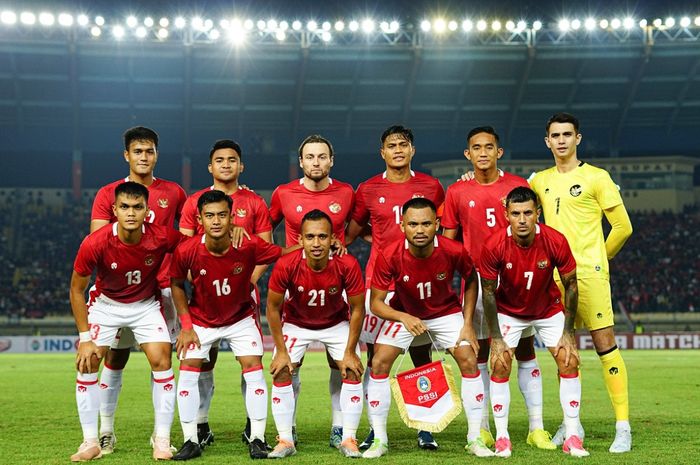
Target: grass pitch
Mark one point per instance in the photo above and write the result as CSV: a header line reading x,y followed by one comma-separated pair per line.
x,y
39,422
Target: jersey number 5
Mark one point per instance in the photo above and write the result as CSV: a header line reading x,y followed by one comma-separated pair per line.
x,y
490,217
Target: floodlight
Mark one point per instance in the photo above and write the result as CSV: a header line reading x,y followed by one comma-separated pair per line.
x,y
148,21
99,20
164,22
670,22
140,32
685,21
439,25
131,21
589,24
425,25
118,32
46,19
296,25
496,25
311,26
162,33
28,18
65,20
564,25
481,25
354,26
537,25
83,20
367,26
180,22
95,31
467,25
339,26
8,17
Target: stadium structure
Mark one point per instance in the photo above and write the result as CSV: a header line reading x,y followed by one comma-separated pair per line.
x,y
72,81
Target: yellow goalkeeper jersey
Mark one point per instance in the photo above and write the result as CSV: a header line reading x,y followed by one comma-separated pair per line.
x,y
573,204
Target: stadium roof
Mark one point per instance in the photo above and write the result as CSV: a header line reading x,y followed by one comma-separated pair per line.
x,y
635,89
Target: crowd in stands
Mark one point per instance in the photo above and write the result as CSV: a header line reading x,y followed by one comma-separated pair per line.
x,y
38,255
658,270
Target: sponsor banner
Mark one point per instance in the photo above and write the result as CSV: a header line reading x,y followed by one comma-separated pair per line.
x,y
63,344
38,344
670,341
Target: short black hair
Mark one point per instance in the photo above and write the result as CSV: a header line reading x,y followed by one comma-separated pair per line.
x,y
483,129
225,144
562,118
316,138
521,195
418,202
316,215
131,189
404,132
139,133
214,196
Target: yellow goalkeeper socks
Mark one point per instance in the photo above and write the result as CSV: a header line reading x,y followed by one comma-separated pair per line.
x,y
615,377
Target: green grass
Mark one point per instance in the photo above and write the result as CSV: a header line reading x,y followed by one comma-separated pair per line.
x,y
39,422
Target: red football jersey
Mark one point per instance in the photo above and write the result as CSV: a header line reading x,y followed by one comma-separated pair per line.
x,y
423,285
125,273
316,297
526,288
249,211
293,200
221,285
379,202
165,202
478,209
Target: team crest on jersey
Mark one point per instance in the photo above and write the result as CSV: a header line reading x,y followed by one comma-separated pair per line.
x,y
423,384
472,204
417,195
300,289
114,265
163,203
405,278
546,191
509,266
241,212
542,264
237,268
333,290
299,209
148,261
382,200
441,276
334,207
575,190
202,272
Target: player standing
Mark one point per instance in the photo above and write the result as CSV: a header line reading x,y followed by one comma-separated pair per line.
x,y
421,268
251,213
165,202
221,307
290,202
127,256
378,202
316,310
575,196
477,206
517,266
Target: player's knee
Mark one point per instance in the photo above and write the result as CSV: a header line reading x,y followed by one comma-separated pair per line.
x,y
526,349
466,360
351,376
501,370
564,369
282,377
381,365
117,358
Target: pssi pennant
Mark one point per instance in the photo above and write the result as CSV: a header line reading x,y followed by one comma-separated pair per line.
x,y
427,397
